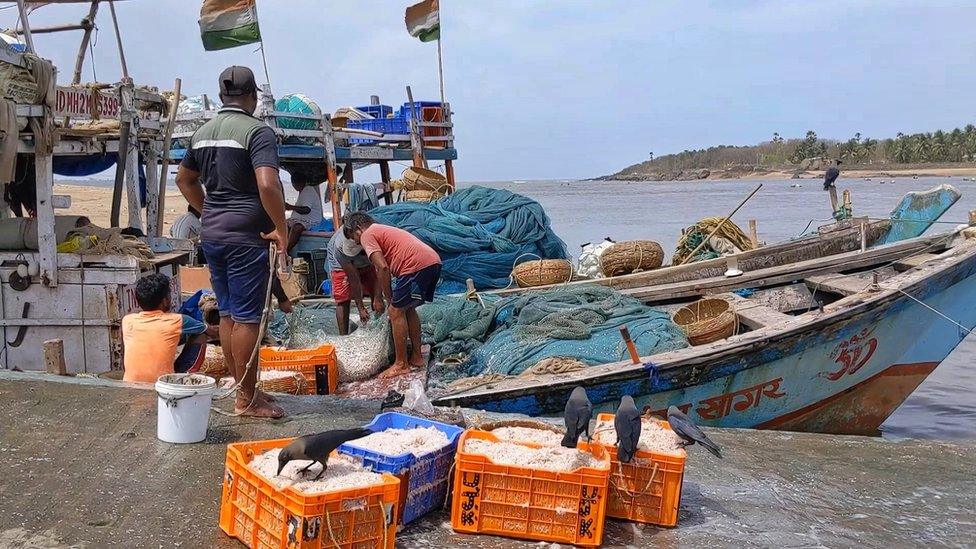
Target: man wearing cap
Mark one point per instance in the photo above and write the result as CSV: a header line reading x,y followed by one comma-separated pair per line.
x,y
352,275
234,156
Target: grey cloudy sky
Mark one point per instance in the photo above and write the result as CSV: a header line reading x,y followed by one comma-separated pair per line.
x,y
545,89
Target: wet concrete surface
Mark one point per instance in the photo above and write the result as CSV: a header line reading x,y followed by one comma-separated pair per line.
x,y
80,466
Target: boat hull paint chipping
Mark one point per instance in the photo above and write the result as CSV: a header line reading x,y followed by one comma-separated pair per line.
x,y
847,377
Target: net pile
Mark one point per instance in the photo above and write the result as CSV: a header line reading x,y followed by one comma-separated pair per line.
x,y
511,335
479,233
727,240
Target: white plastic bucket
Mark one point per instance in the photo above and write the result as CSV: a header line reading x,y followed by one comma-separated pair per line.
x,y
183,407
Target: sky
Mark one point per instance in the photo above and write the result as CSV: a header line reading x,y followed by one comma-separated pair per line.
x,y
574,89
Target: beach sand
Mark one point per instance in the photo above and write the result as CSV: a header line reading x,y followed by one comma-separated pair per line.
x,y
96,203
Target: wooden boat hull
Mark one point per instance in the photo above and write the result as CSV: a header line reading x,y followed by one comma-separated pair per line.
x,y
843,373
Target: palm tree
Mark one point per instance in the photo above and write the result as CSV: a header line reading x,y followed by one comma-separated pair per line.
x,y
940,147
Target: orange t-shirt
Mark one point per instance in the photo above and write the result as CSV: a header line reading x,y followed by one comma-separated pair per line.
x,y
404,252
150,339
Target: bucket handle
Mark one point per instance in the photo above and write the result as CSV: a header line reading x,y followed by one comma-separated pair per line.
x,y
172,401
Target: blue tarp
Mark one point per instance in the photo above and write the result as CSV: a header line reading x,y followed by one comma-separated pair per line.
x,y
480,233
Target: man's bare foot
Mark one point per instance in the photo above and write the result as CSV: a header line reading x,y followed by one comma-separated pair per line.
x,y
397,369
268,397
261,410
417,360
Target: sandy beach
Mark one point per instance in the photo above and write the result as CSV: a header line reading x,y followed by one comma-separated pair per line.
x,y
96,203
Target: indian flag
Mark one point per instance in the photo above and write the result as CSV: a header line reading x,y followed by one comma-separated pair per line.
x,y
423,21
228,23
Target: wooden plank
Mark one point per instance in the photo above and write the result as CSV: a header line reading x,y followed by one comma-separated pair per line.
x,y
46,241
54,357
153,219
840,284
913,261
132,179
755,315
785,273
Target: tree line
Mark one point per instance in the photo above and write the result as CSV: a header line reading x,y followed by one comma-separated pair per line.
x,y
957,145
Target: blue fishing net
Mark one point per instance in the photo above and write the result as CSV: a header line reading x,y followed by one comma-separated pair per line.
x,y
510,335
480,233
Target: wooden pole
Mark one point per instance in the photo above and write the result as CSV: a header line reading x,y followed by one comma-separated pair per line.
x,y
54,357
754,233
631,348
28,38
118,40
833,199
89,23
385,177
416,142
167,143
721,223
440,71
330,171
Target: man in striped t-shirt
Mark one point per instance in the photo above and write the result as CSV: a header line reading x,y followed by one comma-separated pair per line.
x,y
235,157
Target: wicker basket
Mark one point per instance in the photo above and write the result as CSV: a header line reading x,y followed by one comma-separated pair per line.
x,y
706,320
542,272
283,381
422,195
630,257
421,179
213,364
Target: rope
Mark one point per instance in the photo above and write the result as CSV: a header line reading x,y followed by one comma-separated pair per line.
x,y
933,309
623,488
328,526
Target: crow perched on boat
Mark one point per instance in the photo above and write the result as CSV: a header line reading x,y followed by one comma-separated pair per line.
x,y
317,447
627,423
831,175
689,432
578,413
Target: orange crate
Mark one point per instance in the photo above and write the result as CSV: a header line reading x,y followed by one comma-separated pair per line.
x,y
319,366
648,492
529,503
263,517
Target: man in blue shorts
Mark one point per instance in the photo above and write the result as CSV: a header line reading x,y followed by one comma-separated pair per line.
x,y
235,157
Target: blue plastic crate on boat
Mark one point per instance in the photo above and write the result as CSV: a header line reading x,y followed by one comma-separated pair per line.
x,y
398,126
406,113
425,479
377,111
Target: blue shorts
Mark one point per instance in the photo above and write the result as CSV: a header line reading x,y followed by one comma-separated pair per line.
x,y
414,289
239,276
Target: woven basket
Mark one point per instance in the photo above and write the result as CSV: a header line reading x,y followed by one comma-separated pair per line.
x,y
542,272
213,364
421,179
422,196
630,257
293,383
706,320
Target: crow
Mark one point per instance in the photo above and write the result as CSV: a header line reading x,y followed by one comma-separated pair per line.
x,y
689,432
627,423
578,413
317,447
831,175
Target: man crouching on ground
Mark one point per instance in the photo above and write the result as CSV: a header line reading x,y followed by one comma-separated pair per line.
x,y
235,155
417,267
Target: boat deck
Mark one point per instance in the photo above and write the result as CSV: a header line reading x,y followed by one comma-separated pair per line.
x,y
82,466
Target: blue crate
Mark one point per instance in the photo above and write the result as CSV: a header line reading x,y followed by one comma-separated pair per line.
x,y
427,476
405,111
383,125
377,111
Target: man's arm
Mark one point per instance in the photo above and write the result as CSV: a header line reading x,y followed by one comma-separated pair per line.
x,y
383,277
188,181
355,287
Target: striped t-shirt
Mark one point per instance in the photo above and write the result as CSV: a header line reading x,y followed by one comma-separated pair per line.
x,y
225,152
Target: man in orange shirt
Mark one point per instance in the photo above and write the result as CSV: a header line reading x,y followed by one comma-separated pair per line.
x,y
152,335
395,252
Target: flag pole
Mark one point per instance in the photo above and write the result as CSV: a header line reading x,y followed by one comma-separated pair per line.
x,y
264,60
440,66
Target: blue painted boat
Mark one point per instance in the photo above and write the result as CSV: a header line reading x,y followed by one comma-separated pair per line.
x,y
832,344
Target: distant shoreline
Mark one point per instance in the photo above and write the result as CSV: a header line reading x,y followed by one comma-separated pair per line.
x,y
859,172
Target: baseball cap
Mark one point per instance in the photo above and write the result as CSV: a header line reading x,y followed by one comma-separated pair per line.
x,y
349,246
236,81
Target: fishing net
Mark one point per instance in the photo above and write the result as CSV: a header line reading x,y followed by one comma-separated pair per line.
x,y
727,240
514,334
479,233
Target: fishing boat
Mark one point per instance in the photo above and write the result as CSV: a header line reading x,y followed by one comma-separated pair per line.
x,y
830,344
